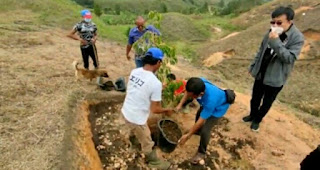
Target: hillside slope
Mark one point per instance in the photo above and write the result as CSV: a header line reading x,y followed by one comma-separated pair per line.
x,y
301,91
40,122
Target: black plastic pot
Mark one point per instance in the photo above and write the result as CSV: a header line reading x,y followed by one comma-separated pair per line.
x,y
163,142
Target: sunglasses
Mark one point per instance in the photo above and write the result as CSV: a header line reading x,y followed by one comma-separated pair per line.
x,y
276,22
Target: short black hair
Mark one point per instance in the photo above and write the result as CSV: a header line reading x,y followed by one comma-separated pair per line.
x,y
283,11
195,85
148,59
171,77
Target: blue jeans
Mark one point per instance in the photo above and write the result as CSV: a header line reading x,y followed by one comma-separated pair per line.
x,y
138,62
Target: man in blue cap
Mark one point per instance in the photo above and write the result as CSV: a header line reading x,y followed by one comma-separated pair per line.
x,y
144,95
134,34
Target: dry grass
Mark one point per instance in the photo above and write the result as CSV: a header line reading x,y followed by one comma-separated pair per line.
x,y
37,90
263,12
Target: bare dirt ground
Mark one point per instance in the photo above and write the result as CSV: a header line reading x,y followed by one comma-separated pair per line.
x,y
44,123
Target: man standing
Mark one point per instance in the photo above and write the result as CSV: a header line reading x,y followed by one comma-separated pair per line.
x,y
87,35
273,63
134,34
213,105
144,95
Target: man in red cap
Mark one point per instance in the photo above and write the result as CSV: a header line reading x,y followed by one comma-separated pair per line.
x,y
87,35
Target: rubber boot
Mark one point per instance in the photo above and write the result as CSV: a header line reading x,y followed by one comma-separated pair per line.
x,y
155,162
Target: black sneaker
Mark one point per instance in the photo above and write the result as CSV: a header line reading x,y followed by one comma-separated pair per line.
x,y
254,126
247,119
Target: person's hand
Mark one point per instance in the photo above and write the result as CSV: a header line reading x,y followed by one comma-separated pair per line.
x,y
183,139
273,35
128,57
83,42
170,112
178,108
93,40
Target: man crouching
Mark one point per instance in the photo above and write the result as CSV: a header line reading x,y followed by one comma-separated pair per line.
x,y
213,105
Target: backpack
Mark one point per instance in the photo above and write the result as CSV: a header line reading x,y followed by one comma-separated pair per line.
x,y
230,95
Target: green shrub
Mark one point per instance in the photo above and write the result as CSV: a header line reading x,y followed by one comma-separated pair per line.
x,y
97,10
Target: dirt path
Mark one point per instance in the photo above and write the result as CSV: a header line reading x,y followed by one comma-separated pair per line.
x,y
39,96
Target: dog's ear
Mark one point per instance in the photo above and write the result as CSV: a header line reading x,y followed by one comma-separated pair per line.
x,y
105,74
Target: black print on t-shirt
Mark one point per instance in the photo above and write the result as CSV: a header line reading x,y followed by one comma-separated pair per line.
x,y
137,81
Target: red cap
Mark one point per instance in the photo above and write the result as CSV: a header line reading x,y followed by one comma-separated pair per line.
x,y
87,15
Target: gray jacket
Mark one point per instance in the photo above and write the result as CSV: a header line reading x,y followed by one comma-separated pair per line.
x,y
282,63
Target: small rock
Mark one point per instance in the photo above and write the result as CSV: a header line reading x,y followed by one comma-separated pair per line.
x,y
100,147
201,162
116,165
179,169
277,153
143,156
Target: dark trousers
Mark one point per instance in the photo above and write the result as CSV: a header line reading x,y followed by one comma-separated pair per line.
x,y
259,92
311,161
205,131
92,52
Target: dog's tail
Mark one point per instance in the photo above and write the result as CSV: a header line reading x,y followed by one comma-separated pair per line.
x,y
75,65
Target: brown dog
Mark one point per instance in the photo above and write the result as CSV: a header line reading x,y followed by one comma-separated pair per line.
x,y
88,74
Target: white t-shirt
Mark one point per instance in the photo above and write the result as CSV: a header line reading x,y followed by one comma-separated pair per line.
x,y
143,87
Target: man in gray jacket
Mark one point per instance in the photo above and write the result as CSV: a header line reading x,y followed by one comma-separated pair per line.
x,y
273,63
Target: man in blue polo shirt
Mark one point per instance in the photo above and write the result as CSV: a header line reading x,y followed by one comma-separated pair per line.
x,y
213,105
134,34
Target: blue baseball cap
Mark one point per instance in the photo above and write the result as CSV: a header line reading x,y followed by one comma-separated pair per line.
x,y
84,12
155,53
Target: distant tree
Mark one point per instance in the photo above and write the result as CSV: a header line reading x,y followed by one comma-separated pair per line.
x,y
146,11
192,2
221,4
97,10
204,8
86,3
192,10
107,10
118,9
163,8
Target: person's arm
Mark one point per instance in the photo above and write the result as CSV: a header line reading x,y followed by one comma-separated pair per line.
x,y
158,109
130,43
95,36
204,115
73,35
257,56
154,30
193,130
182,101
286,55
129,46
156,96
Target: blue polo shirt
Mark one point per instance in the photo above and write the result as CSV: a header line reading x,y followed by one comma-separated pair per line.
x,y
135,34
214,101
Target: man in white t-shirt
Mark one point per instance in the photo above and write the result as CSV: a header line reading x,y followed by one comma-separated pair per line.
x,y
144,95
